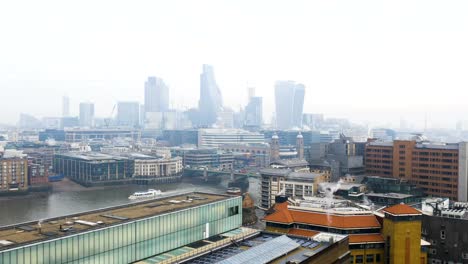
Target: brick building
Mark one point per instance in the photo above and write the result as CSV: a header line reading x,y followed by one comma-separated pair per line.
x,y
440,169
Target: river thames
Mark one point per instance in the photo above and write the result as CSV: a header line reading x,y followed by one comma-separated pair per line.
x,y
68,197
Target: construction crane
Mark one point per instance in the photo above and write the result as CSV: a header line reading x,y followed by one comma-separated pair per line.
x,y
107,120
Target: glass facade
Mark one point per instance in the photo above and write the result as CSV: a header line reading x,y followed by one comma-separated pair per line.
x,y
134,240
86,171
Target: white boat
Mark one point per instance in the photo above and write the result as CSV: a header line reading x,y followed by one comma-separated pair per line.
x,y
151,193
234,191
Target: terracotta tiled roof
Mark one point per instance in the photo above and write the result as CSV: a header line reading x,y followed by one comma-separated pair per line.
x,y
401,209
302,232
369,238
283,214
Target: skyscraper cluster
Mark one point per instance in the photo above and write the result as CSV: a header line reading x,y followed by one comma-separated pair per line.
x,y
156,114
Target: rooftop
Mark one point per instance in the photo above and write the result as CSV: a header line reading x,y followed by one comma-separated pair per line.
x,y
283,214
401,209
48,229
92,156
390,195
365,238
291,162
257,249
289,173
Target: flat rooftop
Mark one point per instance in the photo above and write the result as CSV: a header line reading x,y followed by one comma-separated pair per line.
x,y
390,195
92,156
244,245
31,232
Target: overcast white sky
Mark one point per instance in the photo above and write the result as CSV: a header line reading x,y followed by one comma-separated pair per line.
x,y
366,60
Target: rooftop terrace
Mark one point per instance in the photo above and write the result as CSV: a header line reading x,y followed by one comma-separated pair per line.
x,y
63,226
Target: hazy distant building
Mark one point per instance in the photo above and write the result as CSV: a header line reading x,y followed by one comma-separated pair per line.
x,y
128,114
86,114
29,121
250,92
166,120
156,95
69,122
253,112
289,98
225,119
65,106
210,102
179,137
217,137
51,122
313,121
383,134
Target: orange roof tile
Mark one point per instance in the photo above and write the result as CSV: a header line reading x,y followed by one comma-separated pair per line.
x,y
366,238
401,209
283,214
302,232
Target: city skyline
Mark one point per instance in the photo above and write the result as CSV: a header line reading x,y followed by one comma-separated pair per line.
x,y
387,60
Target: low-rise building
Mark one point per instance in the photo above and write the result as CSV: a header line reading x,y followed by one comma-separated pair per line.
x,y
389,199
266,247
217,137
255,154
294,184
92,168
444,227
147,167
373,238
208,158
13,171
127,233
80,135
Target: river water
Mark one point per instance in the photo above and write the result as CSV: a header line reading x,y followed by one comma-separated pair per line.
x,y
63,201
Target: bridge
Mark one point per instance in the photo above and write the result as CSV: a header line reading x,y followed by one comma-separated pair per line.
x,y
210,172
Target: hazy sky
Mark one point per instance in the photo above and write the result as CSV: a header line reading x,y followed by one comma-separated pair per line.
x,y
367,60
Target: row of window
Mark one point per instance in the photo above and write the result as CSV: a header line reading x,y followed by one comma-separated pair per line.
x,y
132,241
370,258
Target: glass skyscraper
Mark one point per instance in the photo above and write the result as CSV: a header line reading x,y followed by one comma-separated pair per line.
x,y
210,102
289,101
86,114
156,95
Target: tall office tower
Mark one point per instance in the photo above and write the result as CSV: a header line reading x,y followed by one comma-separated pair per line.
x,y
65,106
289,97
156,95
86,114
128,114
210,102
251,92
253,112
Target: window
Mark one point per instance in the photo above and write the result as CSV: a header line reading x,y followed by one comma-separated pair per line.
x,y
377,258
359,259
233,210
370,258
442,234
